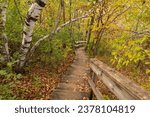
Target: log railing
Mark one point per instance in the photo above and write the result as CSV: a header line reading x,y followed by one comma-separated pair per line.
x,y
122,87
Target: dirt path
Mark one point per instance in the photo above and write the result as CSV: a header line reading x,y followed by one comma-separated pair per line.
x,y
74,84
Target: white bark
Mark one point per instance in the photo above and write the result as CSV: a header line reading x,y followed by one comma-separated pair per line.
x,y
32,16
56,30
3,36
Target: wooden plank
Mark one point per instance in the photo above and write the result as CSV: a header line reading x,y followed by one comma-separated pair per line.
x,y
74,84
93,76
115,89
132,88
78,45
80,42
96,92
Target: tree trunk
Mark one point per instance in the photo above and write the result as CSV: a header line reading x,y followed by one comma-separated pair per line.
x,y
70,18
101,31
94,39
64,12
86,31
3,36
99,37
32,16
89,31
50,36
57,22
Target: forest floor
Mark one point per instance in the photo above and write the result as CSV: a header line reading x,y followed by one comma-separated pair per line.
x,y
39,83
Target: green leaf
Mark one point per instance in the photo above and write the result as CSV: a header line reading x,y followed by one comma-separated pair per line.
x,y
147,63
147,71
3,72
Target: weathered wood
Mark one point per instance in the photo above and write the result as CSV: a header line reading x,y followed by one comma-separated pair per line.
x,y
74,84
68,91
78,45
117,83
93,76
121,94
96,92
80,42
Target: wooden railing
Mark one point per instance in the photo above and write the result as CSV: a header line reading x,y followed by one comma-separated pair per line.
x,y
122,87
79,44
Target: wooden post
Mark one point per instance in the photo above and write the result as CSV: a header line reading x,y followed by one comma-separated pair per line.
x,y
92,83
121,86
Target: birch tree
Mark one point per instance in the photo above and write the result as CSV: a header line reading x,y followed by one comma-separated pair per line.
x,y
32,16
3,37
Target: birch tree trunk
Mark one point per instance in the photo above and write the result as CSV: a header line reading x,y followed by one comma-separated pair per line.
x,y
3,37
32,16
50,36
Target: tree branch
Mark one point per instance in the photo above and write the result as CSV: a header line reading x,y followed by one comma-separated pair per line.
x,y
32,16
54,32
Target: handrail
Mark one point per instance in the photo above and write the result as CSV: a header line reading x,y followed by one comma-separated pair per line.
x,y
118,84
79,44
